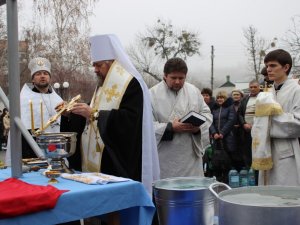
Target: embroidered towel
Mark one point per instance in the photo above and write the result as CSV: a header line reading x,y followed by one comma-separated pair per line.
x,y
94,178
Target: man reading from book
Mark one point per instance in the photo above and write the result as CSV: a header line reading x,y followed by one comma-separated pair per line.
x,y
179,143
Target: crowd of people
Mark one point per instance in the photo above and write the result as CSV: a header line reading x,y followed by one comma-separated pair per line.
x,y
233,115
128,130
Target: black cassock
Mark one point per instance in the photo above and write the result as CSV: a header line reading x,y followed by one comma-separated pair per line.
x,y
121,132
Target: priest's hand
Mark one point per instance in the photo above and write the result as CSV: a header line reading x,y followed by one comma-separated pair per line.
x,y
179,127
82,109
60,106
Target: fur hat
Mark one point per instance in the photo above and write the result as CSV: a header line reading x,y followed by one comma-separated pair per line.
x,y
38,64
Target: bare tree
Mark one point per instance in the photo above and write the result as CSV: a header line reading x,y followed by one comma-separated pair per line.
x,y
60,33
3,29
144,59
3,51
292,38
161,42
256,49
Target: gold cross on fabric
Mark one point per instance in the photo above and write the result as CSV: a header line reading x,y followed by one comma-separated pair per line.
x,y
255,143
110,93
120,70
40,62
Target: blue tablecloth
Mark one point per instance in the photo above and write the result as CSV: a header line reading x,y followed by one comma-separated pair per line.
x,y
82,201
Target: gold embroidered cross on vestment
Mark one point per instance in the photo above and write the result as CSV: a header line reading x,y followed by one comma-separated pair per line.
x,y
112,93
120,70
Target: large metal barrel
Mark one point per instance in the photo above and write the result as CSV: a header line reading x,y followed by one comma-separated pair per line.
x,y
184,200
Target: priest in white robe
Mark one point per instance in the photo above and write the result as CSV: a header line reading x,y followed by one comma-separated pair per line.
x,y
179,144
285,128
37,102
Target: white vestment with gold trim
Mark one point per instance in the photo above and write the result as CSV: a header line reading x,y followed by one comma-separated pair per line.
x,y
107,97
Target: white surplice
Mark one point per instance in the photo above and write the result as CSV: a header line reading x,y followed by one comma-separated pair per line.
x,y
181,156
284,133
48,102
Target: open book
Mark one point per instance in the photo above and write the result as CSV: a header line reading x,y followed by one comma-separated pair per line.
x,y
194,118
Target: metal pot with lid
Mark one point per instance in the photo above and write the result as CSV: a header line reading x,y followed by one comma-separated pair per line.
x,y
258,205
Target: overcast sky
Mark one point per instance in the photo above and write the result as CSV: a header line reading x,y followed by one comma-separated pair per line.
x,y
218,22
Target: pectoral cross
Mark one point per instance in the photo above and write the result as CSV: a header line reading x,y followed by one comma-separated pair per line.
x,y
110,93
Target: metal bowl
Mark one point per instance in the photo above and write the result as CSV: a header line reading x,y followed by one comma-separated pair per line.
x,y
57,145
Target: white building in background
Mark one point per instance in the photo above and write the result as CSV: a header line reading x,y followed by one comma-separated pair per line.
x,y
228,86
243,86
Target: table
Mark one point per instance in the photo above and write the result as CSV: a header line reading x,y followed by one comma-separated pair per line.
x,y
82,201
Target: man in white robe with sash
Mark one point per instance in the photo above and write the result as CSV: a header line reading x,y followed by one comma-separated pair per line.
x,y
179,144
284,128
118,138
43,99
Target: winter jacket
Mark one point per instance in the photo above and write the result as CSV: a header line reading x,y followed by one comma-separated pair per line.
x,y
224,118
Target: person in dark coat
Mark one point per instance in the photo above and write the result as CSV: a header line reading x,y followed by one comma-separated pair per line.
x,y
238,162
208,98
224,118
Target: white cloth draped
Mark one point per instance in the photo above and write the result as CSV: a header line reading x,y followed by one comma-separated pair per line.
x,y
94,178
265,107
